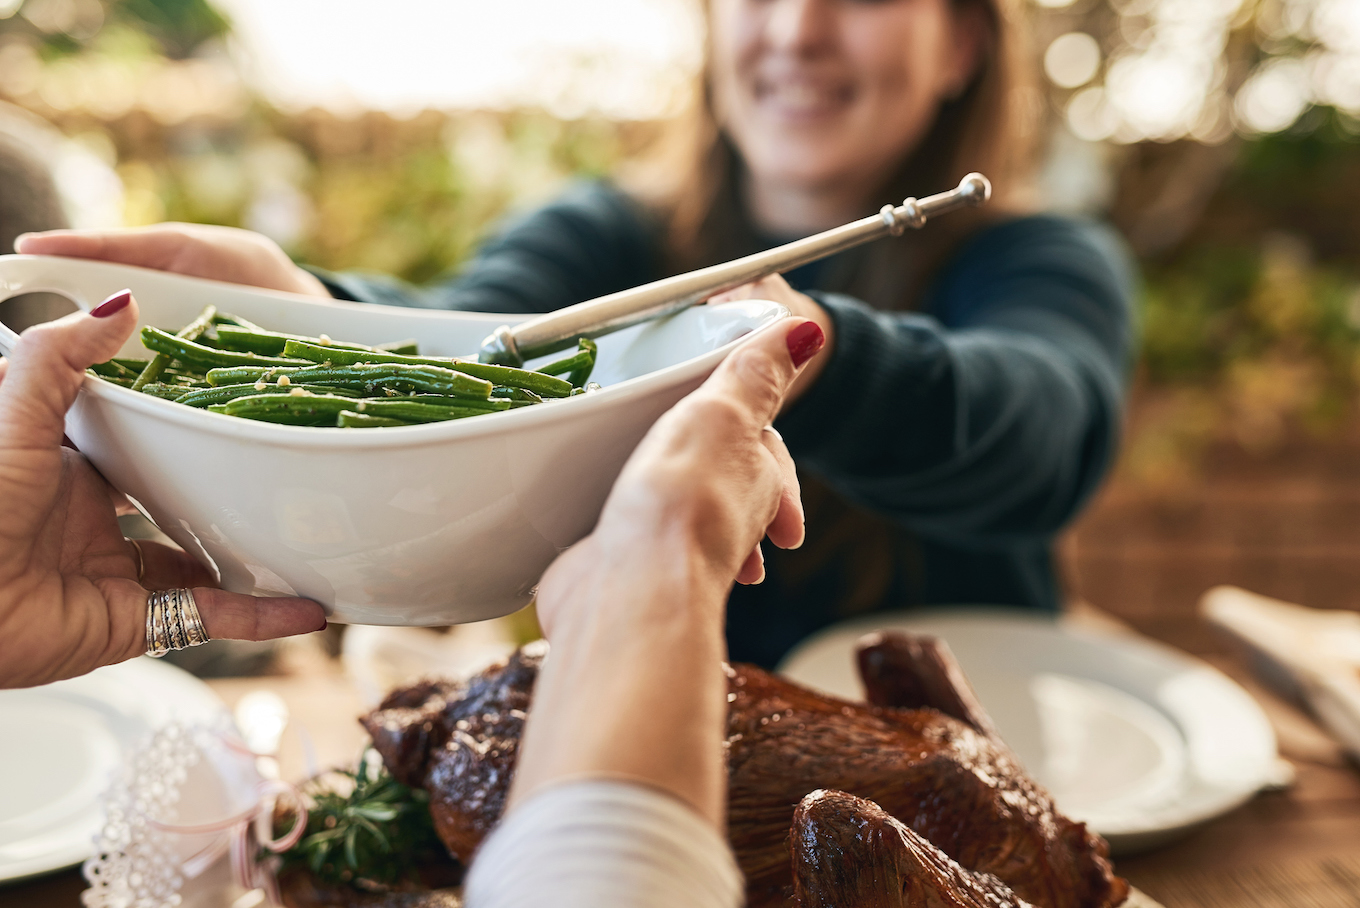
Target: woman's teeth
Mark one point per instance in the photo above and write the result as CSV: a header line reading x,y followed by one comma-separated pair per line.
x,y
803,97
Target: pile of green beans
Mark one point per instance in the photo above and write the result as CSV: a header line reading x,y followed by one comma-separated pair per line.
x,y
225,364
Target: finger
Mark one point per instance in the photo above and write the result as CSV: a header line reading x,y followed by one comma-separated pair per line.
x,y
771,286
758,374
744,292
787,528
48,368
146,247
232,616
226,616
4,367
168,568
753,569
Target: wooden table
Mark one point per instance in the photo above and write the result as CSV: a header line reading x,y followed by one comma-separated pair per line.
x,y
1289,848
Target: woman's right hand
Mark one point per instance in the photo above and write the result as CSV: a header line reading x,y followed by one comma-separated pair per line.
x,y
73,591
197,250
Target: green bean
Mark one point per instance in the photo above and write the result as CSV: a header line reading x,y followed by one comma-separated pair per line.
x,y
186,335
565,365
163,391
543,385
578,366
408,347
268,343
412,411
247,375
204,357
121,382
207,397
114,369
235,321
271,343
518,395
581,374
351,420
289,409
381,376
438,400
132,365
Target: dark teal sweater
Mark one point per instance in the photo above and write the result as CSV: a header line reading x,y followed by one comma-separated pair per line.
x,y
941,450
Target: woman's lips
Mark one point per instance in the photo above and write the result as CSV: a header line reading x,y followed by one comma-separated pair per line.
x,y
802,99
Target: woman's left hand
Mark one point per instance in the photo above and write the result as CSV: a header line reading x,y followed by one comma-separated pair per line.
x,y
777,289
73,591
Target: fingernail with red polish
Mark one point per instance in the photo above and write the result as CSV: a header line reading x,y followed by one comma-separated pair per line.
x,y
116,303
804,342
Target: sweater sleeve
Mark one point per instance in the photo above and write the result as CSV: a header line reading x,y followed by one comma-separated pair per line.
x,y
589,844
592,241
991,417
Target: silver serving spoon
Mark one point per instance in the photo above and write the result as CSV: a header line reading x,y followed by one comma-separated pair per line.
x,y
559,330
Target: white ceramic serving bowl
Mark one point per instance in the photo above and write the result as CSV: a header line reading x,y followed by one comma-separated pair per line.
x,y
427,525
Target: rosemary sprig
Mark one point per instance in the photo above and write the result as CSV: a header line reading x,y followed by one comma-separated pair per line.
x,y
365,827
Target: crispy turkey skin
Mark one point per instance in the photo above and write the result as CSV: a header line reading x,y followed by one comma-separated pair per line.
x,y
923,751
848,852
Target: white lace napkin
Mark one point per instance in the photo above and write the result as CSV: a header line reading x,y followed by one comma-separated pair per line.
x,y
189,796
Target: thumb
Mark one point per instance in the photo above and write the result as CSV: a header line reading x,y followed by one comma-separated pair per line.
x,y
48,366
760,371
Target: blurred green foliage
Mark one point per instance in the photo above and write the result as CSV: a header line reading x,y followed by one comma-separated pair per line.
x,y
174,28
412,198
1251,324
181,26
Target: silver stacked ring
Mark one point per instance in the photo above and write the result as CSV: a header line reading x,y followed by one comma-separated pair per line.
x,y
172,622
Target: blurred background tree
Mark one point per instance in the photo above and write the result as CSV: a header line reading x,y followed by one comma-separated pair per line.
x,y
1219,135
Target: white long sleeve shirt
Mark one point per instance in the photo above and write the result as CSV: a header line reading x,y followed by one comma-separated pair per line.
x,y
603,844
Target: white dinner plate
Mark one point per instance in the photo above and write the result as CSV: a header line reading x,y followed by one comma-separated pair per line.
x,y
62,744
1139,740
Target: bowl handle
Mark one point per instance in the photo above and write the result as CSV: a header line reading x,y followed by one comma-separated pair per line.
x,y
72,278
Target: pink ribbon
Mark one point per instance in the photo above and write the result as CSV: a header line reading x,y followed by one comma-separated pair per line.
x,y
248,832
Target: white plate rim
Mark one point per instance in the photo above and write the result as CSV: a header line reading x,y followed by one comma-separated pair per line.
x,y
1260,733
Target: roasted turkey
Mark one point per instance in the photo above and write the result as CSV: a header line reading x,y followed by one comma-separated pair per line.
x,y
848,851
913,786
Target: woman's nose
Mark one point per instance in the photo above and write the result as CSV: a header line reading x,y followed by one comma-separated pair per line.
x,y
800,26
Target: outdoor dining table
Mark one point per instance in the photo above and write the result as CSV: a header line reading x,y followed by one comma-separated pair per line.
x,y
1297,846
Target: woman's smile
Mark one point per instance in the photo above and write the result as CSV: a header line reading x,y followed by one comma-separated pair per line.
x,y
801,97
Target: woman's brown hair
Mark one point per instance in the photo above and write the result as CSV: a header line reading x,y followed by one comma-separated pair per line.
x,y
989,127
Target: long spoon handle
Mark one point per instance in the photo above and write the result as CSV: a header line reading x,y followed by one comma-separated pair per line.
x,y
559,330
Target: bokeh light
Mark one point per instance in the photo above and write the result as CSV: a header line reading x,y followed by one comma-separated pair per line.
x,y
1072,59
1273,97
1090,116
618,58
